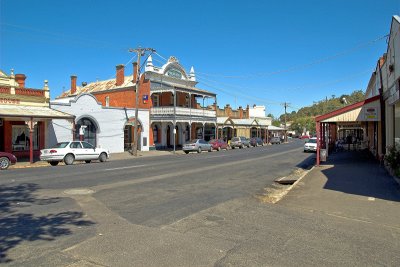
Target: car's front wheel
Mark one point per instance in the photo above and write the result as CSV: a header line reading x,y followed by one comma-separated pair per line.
x,y
4,163
69,159
53,163
186,152
88,161
103,157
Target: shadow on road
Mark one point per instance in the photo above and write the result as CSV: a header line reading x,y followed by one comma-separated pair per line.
x,y
17,226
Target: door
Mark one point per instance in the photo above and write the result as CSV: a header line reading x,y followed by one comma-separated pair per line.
x,y
89,151
77,149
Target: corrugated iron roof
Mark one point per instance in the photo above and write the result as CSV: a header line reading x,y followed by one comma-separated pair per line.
x,y
100,86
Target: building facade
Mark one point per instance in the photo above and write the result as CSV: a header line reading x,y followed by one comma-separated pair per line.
x,y
106,127
179,111
25,117
172,110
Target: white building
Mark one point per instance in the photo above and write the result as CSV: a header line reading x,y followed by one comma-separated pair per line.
x,y
104,126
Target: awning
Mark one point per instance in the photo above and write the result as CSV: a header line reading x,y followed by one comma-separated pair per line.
x,y
367,110
32,112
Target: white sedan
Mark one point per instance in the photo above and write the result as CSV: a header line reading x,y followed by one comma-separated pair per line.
x,y
71,151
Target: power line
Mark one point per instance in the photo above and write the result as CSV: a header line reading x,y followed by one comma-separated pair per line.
x,y
302,66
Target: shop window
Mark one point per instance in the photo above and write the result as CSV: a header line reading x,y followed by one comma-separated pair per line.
x,y
20,137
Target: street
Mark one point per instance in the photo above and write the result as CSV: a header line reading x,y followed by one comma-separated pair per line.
x,y
177,210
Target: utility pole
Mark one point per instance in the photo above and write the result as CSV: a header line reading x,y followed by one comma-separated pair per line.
x,y
285,105
139,52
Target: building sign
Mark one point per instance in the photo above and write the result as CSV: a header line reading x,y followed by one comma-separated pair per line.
x,y
174,73
9,101
371,113
145,99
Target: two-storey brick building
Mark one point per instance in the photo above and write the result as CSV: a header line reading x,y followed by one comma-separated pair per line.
x,y
172,109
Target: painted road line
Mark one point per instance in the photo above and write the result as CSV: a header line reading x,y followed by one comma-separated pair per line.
x,y
129,167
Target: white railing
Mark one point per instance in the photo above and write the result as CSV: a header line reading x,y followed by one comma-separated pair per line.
x,y
166,111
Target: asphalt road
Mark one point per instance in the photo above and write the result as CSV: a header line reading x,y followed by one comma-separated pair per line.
x,y
40,213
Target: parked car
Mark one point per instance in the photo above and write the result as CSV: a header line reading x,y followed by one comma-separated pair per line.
x,y
256,141
197,145
218,144
71,151
311,145
275,140
7,159
240,142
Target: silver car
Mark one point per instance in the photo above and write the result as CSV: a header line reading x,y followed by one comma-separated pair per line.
x,y
197,145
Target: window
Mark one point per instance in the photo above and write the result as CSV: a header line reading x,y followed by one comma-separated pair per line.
x,y
20,137
155,134
107,101
89,133
187,101
75,145
172,99
87,145
156,100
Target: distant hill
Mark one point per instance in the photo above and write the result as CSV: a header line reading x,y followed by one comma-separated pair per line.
x,y
303,119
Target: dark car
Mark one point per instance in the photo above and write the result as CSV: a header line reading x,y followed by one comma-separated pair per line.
x,y
218,144
275,140
256,141
240,142
7,159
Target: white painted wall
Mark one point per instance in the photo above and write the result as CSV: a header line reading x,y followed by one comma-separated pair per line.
x,y
110,122
257,112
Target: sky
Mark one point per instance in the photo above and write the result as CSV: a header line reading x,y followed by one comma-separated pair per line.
x,y
247,52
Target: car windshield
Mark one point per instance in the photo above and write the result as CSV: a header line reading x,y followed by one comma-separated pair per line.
x,y
314,141
193,141
61,145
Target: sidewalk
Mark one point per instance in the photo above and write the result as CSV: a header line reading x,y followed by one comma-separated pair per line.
x,y
350,185
24,163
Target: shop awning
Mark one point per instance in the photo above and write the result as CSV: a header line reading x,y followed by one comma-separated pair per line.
x,y
367,110
32,112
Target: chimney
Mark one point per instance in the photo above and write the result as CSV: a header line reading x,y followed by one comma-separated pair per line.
x,y
120,75
240,112
20,79
73,84
134,72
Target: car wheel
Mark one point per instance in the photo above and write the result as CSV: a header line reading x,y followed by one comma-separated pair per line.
x,y
186,152
53,163
69,159
4,163
199,150
88,161
210,149
103,157
219,148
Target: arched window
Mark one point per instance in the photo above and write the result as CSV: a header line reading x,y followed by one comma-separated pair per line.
x,y
89,132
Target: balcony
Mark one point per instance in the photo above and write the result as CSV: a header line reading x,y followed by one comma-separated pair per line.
x,y
183,113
